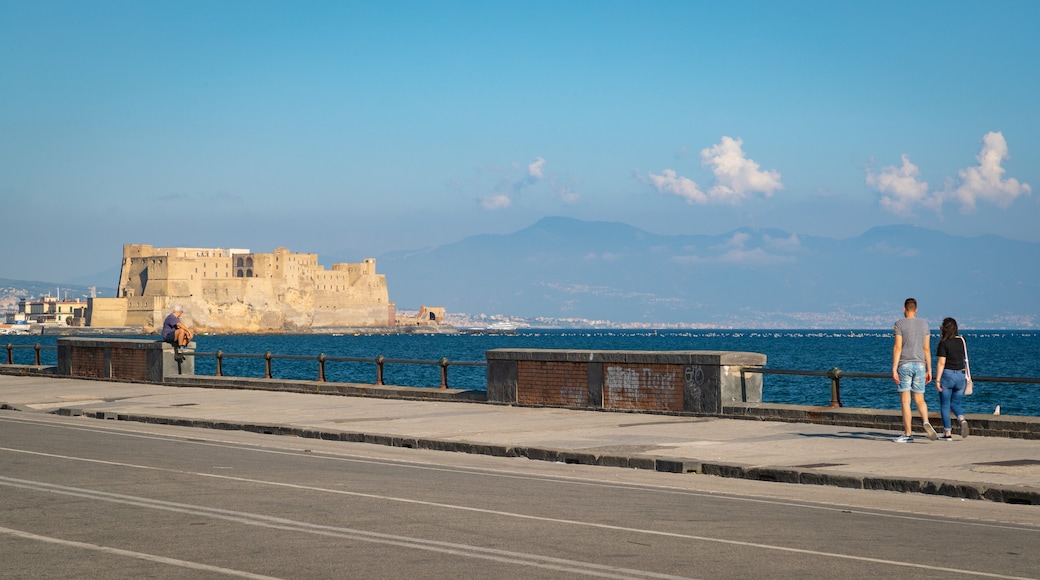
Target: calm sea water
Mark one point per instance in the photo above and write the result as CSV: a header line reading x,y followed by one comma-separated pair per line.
x,y
993,354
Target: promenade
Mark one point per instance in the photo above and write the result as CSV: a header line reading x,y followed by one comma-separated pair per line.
x,y
988,468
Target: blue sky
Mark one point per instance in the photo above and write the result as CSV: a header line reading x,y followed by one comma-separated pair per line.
x,y
352,129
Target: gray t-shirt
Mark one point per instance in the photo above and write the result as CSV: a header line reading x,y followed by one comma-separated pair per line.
x,y
913,331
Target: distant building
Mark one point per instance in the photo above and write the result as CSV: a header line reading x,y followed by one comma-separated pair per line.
x,y
47,310
235,290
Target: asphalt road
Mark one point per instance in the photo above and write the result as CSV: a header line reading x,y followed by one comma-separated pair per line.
x,y
83,498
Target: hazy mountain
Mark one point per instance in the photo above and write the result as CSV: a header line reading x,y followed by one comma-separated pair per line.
x,y
11,291
747,278
561,267
108,279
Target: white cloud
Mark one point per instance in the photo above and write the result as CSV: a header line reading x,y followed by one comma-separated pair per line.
x,y
986,181
900,188
736,177
567,195
684,187
535,168
495,201
790,243
738,240
756,256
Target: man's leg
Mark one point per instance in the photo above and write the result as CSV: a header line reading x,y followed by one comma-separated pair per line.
x,y
908,416
922,406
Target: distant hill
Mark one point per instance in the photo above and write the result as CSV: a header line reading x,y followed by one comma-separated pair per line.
x,y
747,278
13,290
562,268
107,279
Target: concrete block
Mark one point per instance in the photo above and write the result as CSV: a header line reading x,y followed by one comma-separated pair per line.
x,y
773,474
540,454
577,457
893,484
723,469
832,479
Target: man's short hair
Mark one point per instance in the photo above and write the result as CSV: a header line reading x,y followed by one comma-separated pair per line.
x,y
177,308
910,305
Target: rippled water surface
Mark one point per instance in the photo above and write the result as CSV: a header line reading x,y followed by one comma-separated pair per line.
x,y
993,354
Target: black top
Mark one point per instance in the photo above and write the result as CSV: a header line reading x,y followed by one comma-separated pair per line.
x,y
953,350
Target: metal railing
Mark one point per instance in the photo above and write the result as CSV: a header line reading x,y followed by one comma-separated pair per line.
x,y
835,375
36,348
380,363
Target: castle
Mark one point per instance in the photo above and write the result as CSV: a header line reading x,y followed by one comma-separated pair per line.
x,y
235,290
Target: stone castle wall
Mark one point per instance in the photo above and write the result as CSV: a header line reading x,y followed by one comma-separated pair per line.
x,y
240,291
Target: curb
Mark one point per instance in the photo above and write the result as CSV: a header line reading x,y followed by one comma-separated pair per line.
x,y
950,488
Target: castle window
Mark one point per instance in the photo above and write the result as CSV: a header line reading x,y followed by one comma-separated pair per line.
x,y
249,273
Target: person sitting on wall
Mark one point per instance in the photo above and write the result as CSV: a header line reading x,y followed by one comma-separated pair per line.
x,y
176,333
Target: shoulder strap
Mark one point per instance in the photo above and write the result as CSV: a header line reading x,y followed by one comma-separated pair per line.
x,y
967,368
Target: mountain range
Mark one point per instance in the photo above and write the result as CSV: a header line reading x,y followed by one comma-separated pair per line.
x,y
563,268
563,271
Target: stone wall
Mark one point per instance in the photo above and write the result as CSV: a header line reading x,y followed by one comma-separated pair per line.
x,y
136,360
669,381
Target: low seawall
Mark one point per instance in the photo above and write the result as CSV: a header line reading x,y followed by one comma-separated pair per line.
x,y
855,418
696,383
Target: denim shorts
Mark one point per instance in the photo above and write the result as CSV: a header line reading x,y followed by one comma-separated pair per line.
x,y
911,377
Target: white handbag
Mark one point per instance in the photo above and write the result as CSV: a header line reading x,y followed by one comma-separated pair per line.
x,y
968,384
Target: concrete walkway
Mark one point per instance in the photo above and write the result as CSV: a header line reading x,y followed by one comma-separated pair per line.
x,y
997,469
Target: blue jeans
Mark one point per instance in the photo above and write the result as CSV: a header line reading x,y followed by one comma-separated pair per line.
x,y
911,377
952,383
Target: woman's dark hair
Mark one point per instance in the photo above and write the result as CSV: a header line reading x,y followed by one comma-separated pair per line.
x,y
949,328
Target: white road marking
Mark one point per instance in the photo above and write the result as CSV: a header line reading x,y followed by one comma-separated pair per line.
x,y
502,473
130,554
465,550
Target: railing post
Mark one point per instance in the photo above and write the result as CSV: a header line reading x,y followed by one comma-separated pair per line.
x,y
321,367
10,354
835,376
379,369
220,363
267,365
37,349
444,373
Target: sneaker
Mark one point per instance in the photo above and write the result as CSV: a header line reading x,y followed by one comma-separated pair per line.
x,y
965,431
904,439
930,431
945,437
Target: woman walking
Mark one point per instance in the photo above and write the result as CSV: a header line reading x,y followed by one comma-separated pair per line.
x,y
950,377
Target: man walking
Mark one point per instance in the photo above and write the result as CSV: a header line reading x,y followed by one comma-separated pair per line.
x,y
912,368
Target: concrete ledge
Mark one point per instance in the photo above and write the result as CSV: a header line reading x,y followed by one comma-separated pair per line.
x,y
27,370
327,388
951,488
701,357
1013,426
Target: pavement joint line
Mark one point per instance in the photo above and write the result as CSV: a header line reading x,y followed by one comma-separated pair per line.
x,y
795,475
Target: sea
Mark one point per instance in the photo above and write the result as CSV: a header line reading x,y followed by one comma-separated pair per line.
x,y
993,353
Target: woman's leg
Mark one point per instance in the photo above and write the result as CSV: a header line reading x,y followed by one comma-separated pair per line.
x,y
944,399
956,395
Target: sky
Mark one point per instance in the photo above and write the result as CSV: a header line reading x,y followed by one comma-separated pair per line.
x,y
353,129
